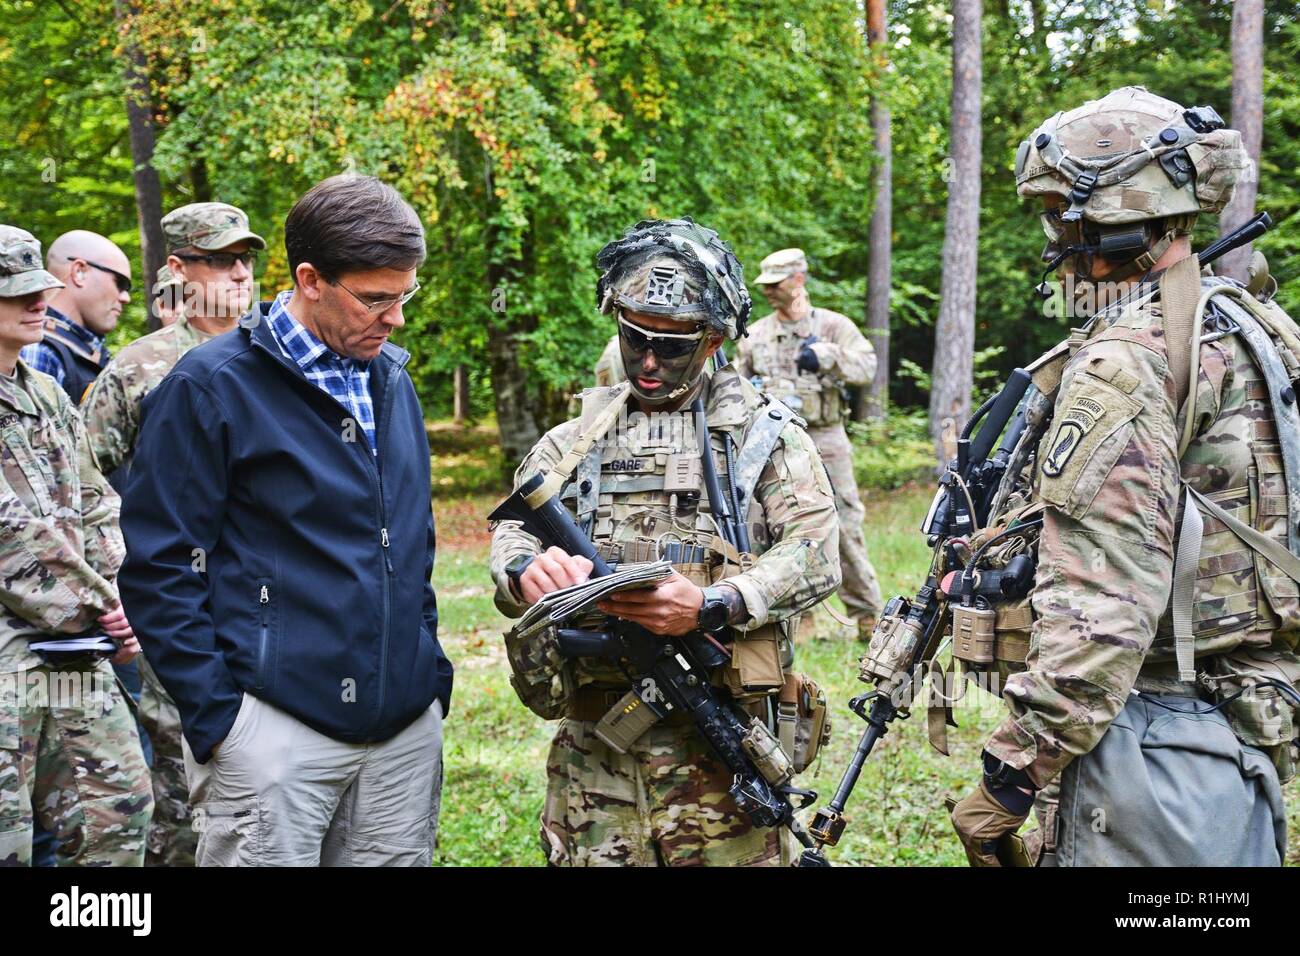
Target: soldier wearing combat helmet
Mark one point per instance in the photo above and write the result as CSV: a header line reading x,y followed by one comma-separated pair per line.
x,y
805,356
638,490
1158,482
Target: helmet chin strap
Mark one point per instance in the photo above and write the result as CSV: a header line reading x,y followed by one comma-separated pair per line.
x,y
1140,265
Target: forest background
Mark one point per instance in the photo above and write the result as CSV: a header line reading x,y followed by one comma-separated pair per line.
x,y
529,133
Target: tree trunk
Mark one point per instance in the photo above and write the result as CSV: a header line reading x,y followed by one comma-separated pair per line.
x,y
880,231
148,188
460,399
1248,118
952,376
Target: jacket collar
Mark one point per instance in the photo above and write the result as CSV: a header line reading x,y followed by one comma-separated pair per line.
x,y
255,326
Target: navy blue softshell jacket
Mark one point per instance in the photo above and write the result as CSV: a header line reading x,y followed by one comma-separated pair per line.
x,y
268,551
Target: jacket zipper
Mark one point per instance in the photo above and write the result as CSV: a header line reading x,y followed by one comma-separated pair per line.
x,y
263,600
381,511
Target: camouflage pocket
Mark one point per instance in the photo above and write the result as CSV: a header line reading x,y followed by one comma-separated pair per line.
x,y
755,666
1093,425
538,672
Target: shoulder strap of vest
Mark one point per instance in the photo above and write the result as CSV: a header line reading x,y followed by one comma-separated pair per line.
x,y
602,423
757,448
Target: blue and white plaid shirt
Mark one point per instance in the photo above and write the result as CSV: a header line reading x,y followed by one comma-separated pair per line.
x,y
44,359
344,379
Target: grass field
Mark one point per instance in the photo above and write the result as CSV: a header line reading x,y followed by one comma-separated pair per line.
x,y
496,750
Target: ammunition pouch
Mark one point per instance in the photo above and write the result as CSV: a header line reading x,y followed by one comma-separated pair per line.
x,y
540,675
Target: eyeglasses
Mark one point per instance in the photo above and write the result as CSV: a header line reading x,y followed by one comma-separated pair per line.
x,y
123,283
666,345
223,261
376,306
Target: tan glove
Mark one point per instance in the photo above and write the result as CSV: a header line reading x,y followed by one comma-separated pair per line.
x,y
982,823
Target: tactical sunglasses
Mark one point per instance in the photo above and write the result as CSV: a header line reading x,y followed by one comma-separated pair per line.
x,y
123,283
222,261
666,345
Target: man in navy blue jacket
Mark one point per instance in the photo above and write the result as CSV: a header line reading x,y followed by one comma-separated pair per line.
x,y
280,543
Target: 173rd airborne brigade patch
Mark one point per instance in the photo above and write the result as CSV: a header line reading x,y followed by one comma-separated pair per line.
x,y
1074,426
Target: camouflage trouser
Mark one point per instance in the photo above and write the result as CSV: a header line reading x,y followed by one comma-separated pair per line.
x,y
860,591
70,755
172,839
663,803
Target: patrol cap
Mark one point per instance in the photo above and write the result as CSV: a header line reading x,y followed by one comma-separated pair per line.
x,y
781,265
21,271
164,279
208,226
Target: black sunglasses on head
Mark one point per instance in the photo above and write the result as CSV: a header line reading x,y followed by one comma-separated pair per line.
x,y
123,283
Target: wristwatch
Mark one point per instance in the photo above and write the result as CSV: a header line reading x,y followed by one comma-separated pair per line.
x,y
713,612
515,568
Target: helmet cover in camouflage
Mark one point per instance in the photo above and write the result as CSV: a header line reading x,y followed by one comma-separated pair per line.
x,y
208,226
1132,156
678,269
21,271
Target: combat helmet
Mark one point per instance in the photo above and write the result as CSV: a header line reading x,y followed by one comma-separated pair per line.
x,y
1134,170
675,268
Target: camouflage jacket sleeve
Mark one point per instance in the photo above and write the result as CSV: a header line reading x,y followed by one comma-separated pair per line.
x,y
48,581
112,419
802,564
1108,475
509,539
100,509
843,352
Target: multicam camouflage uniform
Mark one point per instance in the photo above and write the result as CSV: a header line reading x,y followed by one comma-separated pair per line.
x,y
666,801
71,758
1108,473
639,490
111,411
844,356
112,415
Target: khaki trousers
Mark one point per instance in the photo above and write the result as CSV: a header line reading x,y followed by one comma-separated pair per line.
x,y
278,793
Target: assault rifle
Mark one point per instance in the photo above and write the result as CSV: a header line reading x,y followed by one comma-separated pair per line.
x,y
672,675
910,632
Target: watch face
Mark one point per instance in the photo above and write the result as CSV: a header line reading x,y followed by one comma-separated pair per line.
x,y
713,615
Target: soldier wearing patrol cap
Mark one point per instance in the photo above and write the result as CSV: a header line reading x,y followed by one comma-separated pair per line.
x,y
661,797
804,356
168,293
210,276
1158,486
69,750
